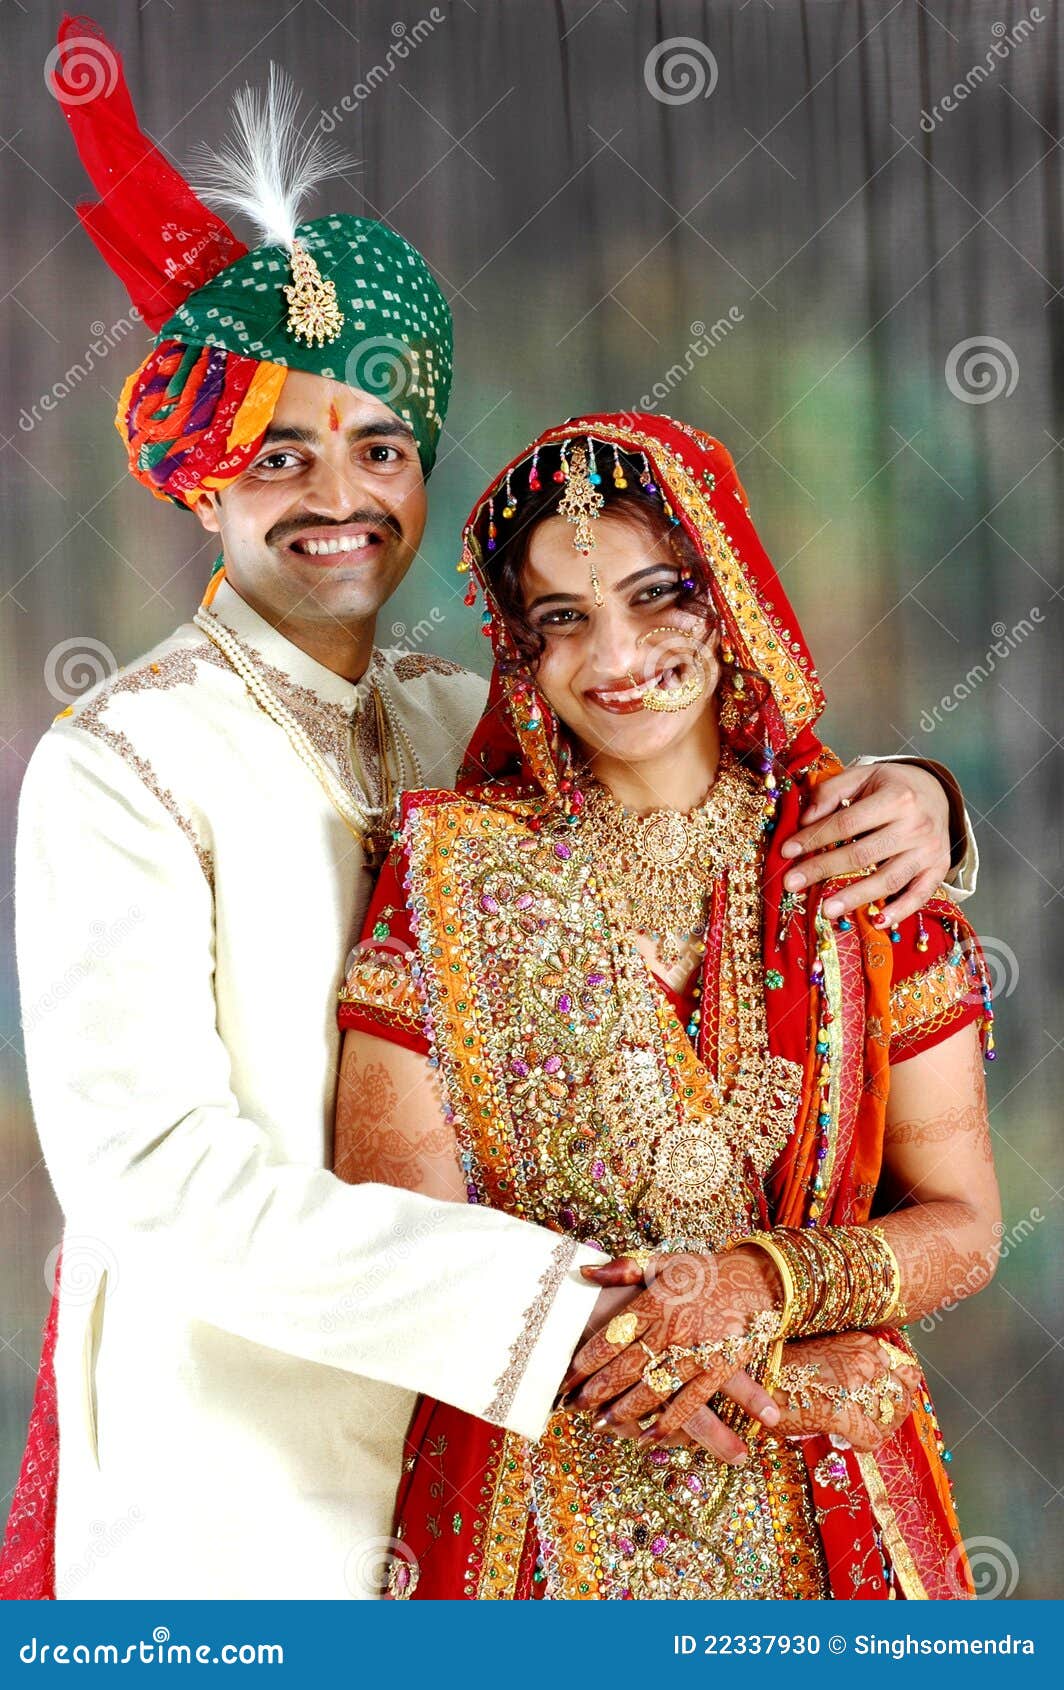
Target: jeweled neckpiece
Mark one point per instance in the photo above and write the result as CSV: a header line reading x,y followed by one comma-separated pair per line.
x,y
661,866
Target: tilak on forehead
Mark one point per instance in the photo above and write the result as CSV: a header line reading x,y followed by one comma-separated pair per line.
x,y
341,297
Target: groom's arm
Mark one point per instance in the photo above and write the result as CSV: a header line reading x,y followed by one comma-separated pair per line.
x,y
150,1154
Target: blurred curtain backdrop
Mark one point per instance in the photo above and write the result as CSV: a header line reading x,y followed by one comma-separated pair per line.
x,y
830,233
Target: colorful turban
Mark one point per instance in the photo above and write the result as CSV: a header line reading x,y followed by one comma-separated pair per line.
x,y
345,298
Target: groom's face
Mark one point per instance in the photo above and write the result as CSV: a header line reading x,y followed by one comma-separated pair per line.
x,y
328,517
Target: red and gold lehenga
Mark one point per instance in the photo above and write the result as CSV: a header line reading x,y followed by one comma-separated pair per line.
x,y
586,1097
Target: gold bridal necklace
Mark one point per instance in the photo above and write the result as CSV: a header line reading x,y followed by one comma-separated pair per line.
x,y
661,865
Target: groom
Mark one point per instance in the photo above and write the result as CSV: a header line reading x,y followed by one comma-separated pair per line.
x,y
239,1335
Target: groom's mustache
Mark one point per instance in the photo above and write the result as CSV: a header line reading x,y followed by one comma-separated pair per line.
x,y
373,519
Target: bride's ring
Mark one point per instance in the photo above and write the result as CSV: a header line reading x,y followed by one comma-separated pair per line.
x,y
622,1329
661,1380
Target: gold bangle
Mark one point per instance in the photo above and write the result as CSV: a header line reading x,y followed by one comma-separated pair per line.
x,y
896,1312
766,1242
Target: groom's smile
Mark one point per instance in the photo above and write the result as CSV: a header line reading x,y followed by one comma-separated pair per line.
x,y
322,526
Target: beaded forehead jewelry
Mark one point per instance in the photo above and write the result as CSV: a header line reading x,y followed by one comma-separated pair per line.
x,y
580,504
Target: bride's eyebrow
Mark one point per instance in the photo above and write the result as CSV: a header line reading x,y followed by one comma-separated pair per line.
x,y
621,586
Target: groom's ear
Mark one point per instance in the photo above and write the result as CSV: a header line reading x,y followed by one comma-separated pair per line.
x,y
206,508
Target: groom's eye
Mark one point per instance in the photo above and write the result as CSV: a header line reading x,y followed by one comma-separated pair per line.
x,y
274,460
386,456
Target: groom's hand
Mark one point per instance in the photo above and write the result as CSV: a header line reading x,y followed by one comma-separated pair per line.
x,y
894,821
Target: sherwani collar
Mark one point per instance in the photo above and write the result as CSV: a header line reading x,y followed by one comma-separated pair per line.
x,y
282,653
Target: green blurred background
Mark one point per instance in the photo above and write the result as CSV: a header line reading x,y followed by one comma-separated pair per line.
x,y
767,220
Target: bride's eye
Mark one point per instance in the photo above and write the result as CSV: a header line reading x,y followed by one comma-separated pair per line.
x,y
657,591
560,619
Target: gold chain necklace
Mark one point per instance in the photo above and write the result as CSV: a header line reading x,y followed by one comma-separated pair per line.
x,y
661,866
368,822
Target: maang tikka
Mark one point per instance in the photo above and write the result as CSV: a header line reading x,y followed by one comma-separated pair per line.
x,y
580,504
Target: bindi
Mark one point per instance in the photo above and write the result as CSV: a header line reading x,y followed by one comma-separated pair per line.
x,y
334,417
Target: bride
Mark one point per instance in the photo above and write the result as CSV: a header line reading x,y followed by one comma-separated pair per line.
x,y
584,997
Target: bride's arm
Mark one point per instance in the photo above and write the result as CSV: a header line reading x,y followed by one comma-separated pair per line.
x,y
938,1187
390,1127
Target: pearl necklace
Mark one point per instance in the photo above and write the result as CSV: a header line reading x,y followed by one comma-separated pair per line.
x,y
363,820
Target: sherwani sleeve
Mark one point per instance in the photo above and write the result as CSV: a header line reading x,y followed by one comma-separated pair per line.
x,y
146,1145
964,870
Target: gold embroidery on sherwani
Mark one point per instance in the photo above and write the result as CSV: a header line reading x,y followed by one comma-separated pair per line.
x,y
579,1102
174,668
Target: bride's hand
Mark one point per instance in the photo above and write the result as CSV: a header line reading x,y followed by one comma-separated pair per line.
x,y
857,1365
688,1300
711,1430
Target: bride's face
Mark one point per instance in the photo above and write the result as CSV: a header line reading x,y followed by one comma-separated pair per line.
x,y
599,661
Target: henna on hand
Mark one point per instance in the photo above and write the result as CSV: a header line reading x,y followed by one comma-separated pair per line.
x,y
691,1299
846,1361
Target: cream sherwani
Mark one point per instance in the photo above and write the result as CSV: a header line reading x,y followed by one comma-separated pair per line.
x,y
241,1334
